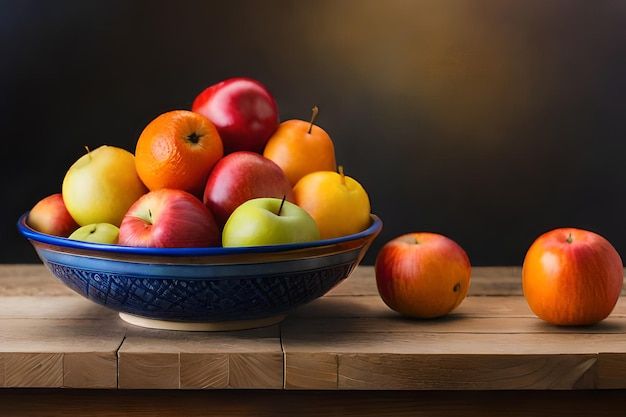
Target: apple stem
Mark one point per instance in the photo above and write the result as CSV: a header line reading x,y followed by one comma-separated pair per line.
x,y
88,151
313,116
282,203
341,174
569,239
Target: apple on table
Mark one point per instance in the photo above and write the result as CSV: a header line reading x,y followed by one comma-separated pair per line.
x,y
422,274
572,277
243,110
268,221
241,176
169,218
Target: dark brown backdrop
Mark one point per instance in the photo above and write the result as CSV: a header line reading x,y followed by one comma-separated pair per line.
x,y
488,121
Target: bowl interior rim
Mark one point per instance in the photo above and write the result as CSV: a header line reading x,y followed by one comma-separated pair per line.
x,y
35,236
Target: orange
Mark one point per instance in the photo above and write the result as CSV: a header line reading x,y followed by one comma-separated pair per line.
x,y
300,147
177,150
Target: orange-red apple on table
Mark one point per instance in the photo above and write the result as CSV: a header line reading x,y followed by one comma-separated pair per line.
x,y
243,110
50,216
300,148
101,185
169,218
338,203
422,275
239,177
572,277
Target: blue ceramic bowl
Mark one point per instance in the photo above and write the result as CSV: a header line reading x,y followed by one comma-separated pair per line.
x,y
201,288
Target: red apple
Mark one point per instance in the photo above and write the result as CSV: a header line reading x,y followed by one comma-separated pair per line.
x,y
50,216
242,176
169,218
572,277
243,110
423,275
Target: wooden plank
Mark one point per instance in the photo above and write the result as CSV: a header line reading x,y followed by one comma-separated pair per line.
x,y
60,335
90,370
197,360
29,280
148,371
453,343
450,361
449,324
497,307
60,352
612,370
460,372
311,370
204,370
33,370
58,307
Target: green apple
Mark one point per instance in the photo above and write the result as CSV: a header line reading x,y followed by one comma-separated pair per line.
x,y
101,186
268,221
97,233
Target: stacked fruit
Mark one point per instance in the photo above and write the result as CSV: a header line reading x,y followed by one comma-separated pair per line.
x,y
226,172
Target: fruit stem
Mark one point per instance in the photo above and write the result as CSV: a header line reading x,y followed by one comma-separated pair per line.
x,y
313,116
88,151
569,239
282,203
341,174
193,138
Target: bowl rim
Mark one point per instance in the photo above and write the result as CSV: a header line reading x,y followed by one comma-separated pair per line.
x,y
33,235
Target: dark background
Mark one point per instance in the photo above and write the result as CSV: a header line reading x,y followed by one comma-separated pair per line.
x,y
488,121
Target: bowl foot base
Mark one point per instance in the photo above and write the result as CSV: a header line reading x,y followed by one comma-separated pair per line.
x,y
220,326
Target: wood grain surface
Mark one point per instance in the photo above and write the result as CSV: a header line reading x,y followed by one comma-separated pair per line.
x,y
55,344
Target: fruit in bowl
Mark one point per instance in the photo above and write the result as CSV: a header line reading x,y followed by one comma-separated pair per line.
x,y
269,221
204,289
169,218
243,110
49,215
300,148
338,203
101,186
97,233
197,230
242,176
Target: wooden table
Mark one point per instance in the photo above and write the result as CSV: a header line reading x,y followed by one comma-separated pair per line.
x,y
344,354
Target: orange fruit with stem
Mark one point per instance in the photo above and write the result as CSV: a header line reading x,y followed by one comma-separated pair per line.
x,y
300,147
339,204
177,150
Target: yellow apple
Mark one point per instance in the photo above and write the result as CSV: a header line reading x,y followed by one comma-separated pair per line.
x,y
339,204
101,186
